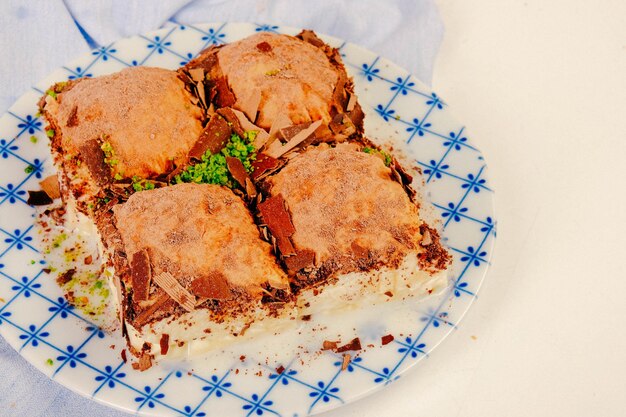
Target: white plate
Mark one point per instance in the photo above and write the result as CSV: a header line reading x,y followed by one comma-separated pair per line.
x,y
37,321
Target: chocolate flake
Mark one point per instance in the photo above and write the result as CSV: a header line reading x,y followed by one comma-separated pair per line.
x,y
66,276
277,149
93,156
164,343
249,104
354,344
302,259
385,340
278,220
140,275
280,370
328,345
306,317
262,164
123,355
224,96
237,170
177,292
214,286
230,116
261,135
345,361
38,198
213,138
72,119
50,185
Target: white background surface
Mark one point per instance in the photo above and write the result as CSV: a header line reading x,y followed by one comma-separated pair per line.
x,y
541,85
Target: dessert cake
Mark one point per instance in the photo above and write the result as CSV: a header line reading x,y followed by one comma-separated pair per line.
x,y
112,133
195,269
344,209
238,193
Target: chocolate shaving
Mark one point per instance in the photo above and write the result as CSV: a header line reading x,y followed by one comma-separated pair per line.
x,y
356,115
345,361
249,104
93,156
303,258
277,149
164,343
263,164
281,121
224,96
72,119
328,345
161,303
237,170
250,188
288,132
352,102
354,344
38,198
280,369
213,138
310,37
50,185
213,286
278,220
230,116
388,293
197,74
264,47
123,355
261,137
385,340
140,275
88,260
177,292
306,317
66,276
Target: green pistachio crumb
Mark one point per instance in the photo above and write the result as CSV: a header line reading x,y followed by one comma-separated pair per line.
x,y
385,155
212,168
50,133
52,94
29,169
33,139
49,362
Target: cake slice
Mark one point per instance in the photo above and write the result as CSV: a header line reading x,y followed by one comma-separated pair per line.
x,y
114,134
194,273
293,90
344,222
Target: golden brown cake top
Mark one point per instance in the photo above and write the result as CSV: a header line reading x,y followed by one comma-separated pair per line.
x,y
144,114
346,208
293,77
202,235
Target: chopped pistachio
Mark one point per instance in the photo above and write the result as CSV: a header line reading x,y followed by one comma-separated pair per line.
x,y
212,168
33,139
50,133
52,94
29,169
49,362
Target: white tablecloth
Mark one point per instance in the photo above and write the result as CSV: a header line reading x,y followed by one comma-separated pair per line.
x,y
40,35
